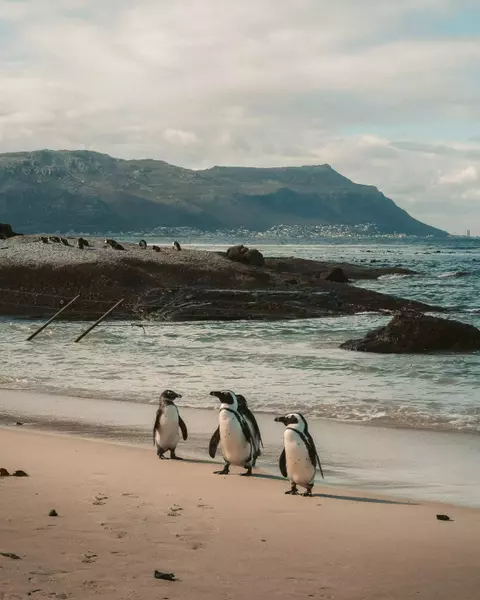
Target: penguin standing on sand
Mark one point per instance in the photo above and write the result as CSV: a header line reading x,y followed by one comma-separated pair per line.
x,y
167,424
299,458
236,434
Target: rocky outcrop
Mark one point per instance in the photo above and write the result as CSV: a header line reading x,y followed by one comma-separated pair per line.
x,y
193,284
6,231
246,255
412,332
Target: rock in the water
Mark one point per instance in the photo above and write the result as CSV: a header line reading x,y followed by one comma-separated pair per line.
x,y
246,255
337,275
412,332
6,231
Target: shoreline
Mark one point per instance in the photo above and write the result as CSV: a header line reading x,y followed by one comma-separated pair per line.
x,y
416,464
377,423
123,513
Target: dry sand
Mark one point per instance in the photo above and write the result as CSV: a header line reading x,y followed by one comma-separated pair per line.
x,y
123,513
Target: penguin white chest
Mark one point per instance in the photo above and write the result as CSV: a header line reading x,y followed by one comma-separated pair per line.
x,y
235,448
299,466
167,435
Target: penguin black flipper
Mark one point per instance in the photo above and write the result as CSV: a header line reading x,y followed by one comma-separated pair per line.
x,y
248,413
183,427
282,463
312,451
157,423
245,428
215,440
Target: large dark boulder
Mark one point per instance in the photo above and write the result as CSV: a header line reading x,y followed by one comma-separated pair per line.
x,y
254,257
337,275
412,332
6,231
245,255
237,253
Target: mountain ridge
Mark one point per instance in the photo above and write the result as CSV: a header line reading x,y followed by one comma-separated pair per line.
x,y
82,190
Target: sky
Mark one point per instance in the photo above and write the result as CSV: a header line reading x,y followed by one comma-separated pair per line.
x,y
387,92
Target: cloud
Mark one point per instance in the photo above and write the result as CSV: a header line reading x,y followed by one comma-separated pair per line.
x,y
463,176
264,83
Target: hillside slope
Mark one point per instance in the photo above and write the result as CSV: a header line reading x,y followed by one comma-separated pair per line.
x,y
87,191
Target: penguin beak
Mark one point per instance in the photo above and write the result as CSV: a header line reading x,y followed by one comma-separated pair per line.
x,y
178,395
216,394
281,420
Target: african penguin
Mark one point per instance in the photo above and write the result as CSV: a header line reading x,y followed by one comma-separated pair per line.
x,y
252,423
236,433
167,423
299,458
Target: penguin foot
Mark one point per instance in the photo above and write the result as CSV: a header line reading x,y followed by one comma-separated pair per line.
x,y
293,491
173,456
248,472
308,493
224,471
162,457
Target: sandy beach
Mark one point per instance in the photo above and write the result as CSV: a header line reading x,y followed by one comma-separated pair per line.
x,y
123,514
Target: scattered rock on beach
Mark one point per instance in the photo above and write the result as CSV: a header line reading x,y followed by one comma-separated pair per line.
x,y
414,332
443,518
165,576
4,472
53,513
19,473
10,555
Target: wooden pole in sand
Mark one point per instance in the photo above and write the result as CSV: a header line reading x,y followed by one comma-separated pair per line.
x,y
52,319
99,321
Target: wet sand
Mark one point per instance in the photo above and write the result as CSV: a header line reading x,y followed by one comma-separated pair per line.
x,y
124,513
416,464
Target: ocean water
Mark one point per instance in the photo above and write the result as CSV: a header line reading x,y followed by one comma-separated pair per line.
x,y
278,366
